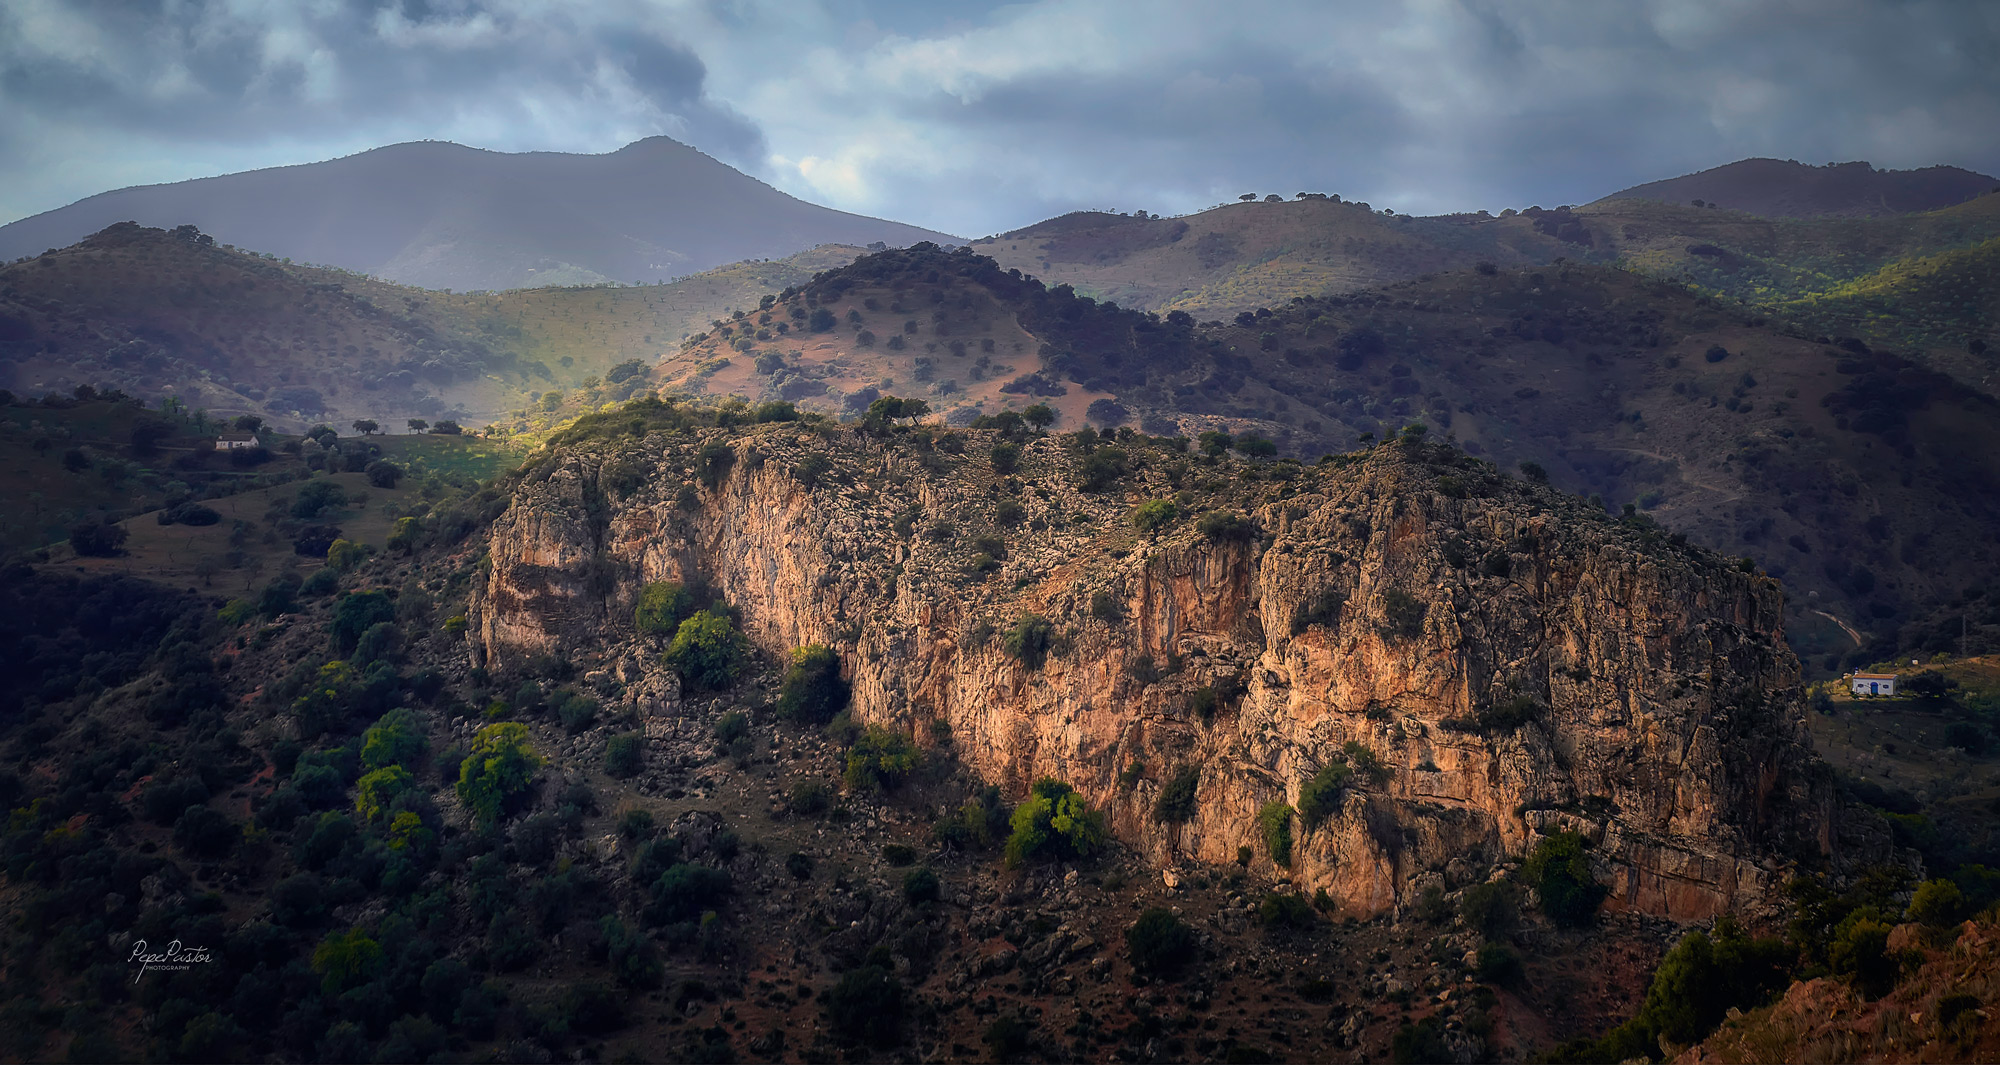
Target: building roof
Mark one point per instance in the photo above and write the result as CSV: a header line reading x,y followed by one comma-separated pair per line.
x,y
236,436
1874,676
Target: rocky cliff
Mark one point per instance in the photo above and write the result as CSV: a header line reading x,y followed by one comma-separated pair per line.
x,y
1517,662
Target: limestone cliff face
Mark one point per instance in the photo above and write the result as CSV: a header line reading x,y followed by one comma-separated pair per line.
x,y
1664,718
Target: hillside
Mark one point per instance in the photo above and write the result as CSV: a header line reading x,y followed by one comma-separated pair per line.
x,y
157,314
443,216
1863,479
1774,188
486,788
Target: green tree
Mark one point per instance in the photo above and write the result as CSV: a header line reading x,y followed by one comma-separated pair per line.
x,y
1005,456
1560,872
383,474
1040,415
1030,640
1160,943
354,613
813,691
498,771
662,608
1176,804
378,791
403,538
366,427
1320,796
397,738
707,651
417,425
1274,823
1154,515
346,959
1053,822
880,760
344,555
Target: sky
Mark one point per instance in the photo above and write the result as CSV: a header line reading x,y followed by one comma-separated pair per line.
x,y
977,118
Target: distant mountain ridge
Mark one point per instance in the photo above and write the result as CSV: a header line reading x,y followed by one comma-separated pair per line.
x,y
444,216
1783,188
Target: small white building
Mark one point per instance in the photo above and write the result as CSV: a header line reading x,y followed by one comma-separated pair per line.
x,y
1873,683
232,441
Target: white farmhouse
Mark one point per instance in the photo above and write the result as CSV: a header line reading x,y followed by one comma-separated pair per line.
x,y
1873,683
232,441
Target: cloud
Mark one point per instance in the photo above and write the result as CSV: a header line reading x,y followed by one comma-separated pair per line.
x,y
975,118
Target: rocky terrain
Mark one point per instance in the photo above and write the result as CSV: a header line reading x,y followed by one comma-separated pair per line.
x,y
1513,664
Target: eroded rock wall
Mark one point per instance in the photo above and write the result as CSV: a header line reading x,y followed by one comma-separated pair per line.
x,y
1666,711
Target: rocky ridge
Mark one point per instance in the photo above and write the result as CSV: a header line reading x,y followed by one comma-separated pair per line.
x,y
1545,668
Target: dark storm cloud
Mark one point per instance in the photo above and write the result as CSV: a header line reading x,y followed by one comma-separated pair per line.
x,y
975,118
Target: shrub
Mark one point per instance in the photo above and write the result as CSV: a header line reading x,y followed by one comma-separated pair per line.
x,y
1005,456
920,886
880,760
1716,353
98,539
707,650
1402,615
1053,822
1030,639
1320,796
1274,823
1219,526
866,1006
354,613
810,798
684,891
1279,910
204,833
1488,908
384,474
498,771
662,608
1104,605
377,791
713,463
1560,874
1160,943
1154,515
1937,903
576,712
813,691
1176,804
1102,469
625,756
1860,952
800,865
397,738
1498,964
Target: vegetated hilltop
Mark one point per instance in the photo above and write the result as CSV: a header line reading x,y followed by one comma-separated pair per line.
x,y
1863,479
1394,645
1260,254
158,314
444,216
1787,188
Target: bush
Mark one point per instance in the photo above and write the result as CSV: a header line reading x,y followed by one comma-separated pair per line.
x,y
1102,469
498,771
866,1006
1402,615
1274,823
707,651
713,464
397,738
880,760
1219,526
810,798
1030,640
98,539
204,833
684,891
1860,952
1006,457
1176,804
1320,796
1716,353
813,691
1323,609
1160,943
625,756
377,791
1498,964
1560,874
354,614
1938,904
384,474
920,886
1488,908
1053,822
662,608
1154,515
1279,910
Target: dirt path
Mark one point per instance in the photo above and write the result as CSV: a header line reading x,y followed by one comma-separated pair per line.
x,y
1680,469
1844,626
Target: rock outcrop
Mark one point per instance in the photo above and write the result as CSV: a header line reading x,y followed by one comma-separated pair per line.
x,y
1517,663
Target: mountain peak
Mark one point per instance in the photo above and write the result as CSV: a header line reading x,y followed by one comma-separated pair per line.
x,y
1787,188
